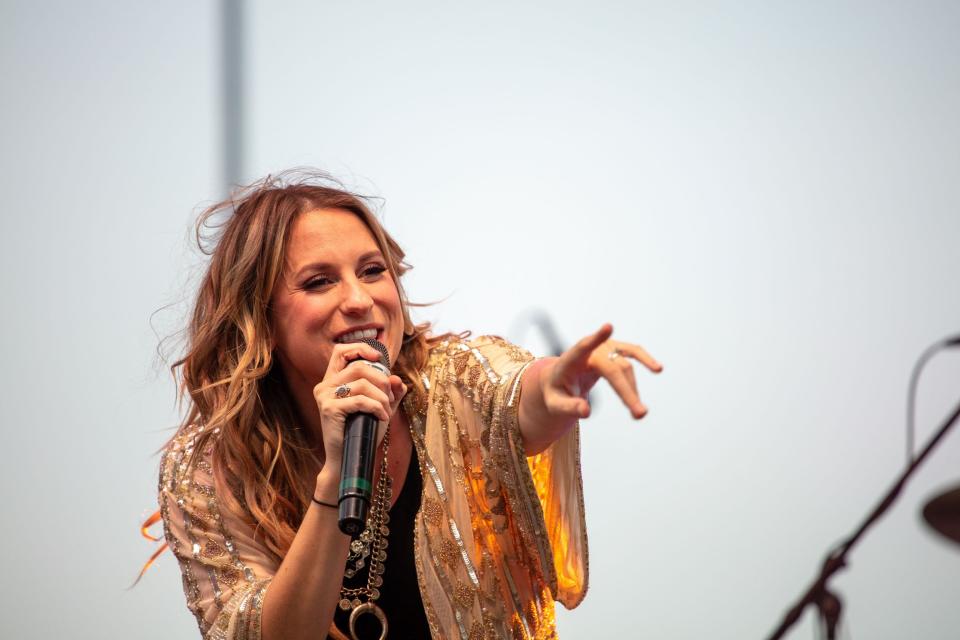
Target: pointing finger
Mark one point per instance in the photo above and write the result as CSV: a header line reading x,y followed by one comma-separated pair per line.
x,y
579,353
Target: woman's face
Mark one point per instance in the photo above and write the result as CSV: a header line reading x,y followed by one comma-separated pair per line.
x,y
335,284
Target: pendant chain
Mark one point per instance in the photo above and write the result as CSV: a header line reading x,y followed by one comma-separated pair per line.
x,y
370,547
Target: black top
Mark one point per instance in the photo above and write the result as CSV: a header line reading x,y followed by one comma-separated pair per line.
x,y
400,593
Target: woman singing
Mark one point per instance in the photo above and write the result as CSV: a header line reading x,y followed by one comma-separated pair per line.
x,y
476,522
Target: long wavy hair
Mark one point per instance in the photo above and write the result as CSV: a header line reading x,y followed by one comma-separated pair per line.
x,y
229,376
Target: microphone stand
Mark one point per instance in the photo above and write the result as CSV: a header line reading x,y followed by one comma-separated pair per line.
x,y
818,594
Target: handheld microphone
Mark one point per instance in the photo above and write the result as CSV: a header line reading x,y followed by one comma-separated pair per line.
x,y
359,447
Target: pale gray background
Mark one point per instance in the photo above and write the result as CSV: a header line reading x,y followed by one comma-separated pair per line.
x,y
765,194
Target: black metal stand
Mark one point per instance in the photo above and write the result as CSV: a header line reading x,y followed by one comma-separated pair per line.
x,y
818,594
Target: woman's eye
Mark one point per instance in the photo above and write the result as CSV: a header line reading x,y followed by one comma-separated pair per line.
x,y
373,271
317,283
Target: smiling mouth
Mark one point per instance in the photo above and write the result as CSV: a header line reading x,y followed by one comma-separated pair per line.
x,y
356,336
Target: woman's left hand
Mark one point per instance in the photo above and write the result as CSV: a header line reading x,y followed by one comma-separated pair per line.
x,y
575,372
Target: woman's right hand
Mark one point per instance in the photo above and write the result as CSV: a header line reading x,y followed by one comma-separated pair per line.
x,y
370,392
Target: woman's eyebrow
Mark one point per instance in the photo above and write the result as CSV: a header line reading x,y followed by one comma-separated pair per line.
x,y
369,255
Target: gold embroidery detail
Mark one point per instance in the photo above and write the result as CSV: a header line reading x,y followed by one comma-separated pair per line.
x,y
476,630
463,595
229,576
517,631
460,362
518,354
204,518
448,552
473,376
212,550
532,614
432,512
204,489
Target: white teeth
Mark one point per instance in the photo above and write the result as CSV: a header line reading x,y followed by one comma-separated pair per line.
x,y
356,336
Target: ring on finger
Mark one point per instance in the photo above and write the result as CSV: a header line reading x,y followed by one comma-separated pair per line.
x,y
342,391
613,355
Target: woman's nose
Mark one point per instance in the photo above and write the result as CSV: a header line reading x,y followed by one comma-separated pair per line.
x,y
356,300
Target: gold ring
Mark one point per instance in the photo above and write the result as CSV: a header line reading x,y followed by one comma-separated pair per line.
x,y
342,391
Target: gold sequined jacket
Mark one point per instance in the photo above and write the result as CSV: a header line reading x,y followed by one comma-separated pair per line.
x,y
498,537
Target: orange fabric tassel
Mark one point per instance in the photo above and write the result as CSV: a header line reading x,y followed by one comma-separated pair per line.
x,y
144,531
153,519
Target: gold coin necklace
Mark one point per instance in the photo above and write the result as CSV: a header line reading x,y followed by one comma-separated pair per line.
x,y
370,548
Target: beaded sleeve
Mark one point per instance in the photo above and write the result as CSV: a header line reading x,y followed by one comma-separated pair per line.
x,y
225,570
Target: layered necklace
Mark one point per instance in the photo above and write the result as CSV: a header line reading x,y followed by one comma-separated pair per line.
x,y
369,549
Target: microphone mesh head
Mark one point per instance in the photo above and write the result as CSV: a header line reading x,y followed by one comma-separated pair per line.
x,y
376,344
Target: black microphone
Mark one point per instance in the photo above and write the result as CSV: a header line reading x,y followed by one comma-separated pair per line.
x,y
359,447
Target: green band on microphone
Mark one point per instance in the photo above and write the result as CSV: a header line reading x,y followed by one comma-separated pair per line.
x,y
359,483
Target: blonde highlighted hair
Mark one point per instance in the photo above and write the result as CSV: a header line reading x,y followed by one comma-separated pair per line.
x,y
229,376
